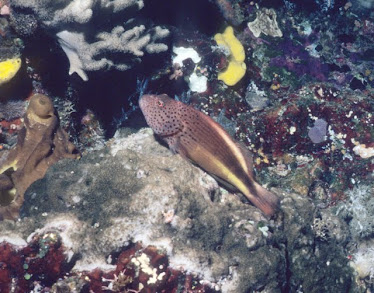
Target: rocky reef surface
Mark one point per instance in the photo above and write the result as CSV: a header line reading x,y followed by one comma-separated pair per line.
x,y
134,215
292,80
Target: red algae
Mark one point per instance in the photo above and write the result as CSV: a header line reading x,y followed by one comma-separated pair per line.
x,y
43,264
42,261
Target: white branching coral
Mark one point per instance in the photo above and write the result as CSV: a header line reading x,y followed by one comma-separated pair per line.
x,y
90,57
89,42
363,260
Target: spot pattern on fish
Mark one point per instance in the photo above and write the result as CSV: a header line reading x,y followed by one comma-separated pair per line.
x,y
163,123
203,141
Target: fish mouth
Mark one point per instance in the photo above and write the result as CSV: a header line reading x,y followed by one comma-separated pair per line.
x,y
143,100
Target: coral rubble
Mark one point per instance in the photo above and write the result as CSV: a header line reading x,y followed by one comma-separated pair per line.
x,y
265,23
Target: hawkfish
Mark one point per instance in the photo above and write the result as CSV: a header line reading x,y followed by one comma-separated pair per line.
x,y
204,142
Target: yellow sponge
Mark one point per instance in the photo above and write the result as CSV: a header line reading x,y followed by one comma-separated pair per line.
x,y
8,69
236,68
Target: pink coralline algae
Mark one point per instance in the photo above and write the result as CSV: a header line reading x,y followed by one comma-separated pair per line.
x,y
318,132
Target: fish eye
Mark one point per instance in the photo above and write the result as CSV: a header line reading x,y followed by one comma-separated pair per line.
x,y
160,103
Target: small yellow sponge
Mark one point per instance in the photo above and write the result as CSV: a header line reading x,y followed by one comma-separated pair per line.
x,y
236,68
8,69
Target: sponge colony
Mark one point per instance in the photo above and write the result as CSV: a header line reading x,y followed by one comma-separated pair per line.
x,y
8,69
236,68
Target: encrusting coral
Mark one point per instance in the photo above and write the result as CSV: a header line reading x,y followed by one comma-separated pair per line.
x,y
41,143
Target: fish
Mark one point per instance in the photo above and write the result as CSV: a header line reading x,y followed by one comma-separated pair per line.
x,y
198,138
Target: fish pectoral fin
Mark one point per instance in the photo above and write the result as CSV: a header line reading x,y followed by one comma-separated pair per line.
x,y
173,143
178,148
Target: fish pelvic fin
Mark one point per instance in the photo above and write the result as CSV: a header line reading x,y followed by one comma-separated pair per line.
x,y
263,199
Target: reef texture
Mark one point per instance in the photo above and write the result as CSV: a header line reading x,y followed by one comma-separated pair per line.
x,y
136,217
75,22
41,143
303,106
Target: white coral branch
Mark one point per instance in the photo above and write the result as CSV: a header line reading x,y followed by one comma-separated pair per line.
x,y
84,56
77,11
78,21
118,5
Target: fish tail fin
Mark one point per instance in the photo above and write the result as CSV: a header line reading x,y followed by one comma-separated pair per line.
x,y
263,199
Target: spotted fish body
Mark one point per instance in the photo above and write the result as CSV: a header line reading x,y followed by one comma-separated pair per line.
x,y
198,138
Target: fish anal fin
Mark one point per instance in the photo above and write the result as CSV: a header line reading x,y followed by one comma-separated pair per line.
x,y
225,184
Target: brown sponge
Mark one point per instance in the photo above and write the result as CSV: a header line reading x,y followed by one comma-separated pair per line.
x,y
41,143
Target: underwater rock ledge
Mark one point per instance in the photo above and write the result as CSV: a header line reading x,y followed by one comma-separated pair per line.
x,y
136,193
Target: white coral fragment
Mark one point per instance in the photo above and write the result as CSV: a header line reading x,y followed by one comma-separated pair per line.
x,y
69,42
266,23
183,53
363,151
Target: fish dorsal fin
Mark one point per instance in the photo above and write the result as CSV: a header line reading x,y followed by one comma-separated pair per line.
x,y
248,157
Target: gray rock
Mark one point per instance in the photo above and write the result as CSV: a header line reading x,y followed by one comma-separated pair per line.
x,y
137,190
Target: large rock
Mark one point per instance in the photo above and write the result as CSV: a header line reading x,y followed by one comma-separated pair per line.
x,y
136,190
